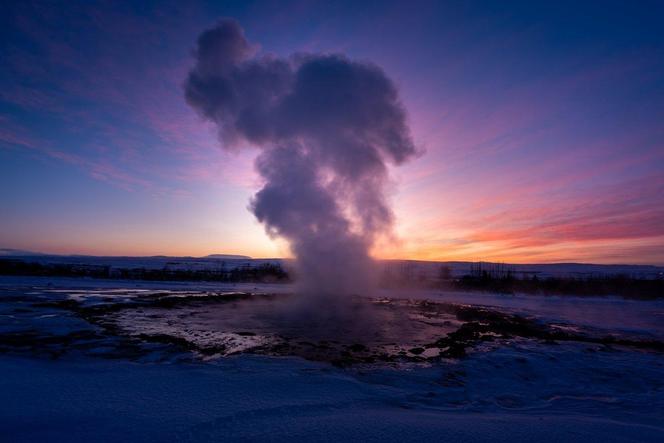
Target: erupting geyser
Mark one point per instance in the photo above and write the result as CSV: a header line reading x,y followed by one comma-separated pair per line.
x,y
327,126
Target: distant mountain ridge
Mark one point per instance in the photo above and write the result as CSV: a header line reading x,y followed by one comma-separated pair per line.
x,y
228,257
18,253
427,269
10,252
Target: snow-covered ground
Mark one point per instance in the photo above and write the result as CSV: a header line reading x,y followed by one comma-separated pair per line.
x,y
71,370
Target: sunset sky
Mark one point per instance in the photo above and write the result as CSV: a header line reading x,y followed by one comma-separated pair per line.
x,y
541,127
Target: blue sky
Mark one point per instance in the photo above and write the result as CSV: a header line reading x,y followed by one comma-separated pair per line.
x,y
541,126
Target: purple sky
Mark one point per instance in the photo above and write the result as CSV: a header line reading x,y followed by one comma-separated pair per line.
x,y
542,127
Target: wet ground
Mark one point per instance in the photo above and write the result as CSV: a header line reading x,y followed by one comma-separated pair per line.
x,y
192,324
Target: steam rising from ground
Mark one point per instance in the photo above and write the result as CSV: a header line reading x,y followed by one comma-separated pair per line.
x,y
327,126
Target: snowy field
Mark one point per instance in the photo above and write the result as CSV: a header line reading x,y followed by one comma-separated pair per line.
x,y
96,360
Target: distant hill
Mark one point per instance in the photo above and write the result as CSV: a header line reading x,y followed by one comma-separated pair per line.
x,y
397,269
9,252
228,257
17,252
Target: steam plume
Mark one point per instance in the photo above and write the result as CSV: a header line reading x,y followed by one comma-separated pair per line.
x,y
327,126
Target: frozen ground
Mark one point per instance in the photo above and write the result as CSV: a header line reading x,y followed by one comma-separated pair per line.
x,y
92,360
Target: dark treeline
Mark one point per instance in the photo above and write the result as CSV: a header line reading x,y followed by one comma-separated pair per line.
x,y
620,285
499,279
503,279
266,272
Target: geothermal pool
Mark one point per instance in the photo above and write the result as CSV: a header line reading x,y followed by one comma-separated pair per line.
x,y
392,328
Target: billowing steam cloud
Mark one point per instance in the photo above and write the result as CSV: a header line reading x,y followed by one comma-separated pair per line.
x,y
326,126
